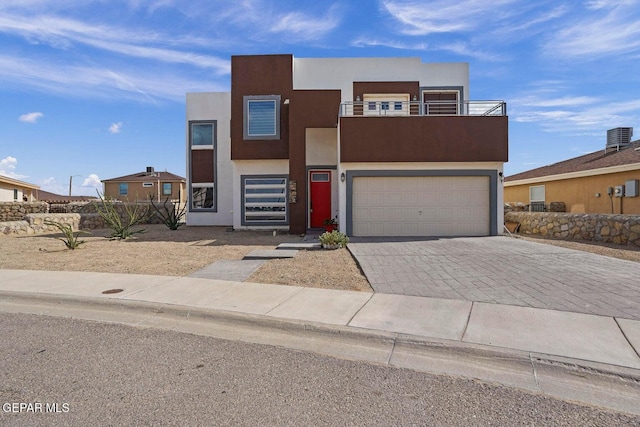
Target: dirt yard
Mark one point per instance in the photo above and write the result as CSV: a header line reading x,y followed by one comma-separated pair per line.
x,y
178,253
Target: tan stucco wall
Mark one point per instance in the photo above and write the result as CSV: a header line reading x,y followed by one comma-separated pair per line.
x,y
579,194
138,192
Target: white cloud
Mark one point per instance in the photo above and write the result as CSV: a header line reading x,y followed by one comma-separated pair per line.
x,y
605,29
8,167
92,181
115,127
443,16
578,115
63,33
96,81
305,26
31,117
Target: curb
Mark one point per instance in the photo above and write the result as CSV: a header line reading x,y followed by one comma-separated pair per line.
x,y
57,305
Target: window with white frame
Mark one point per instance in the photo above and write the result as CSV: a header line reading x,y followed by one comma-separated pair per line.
x,y
261,117
536,198
264,200
202,167
147,184
202,135
166,189
386,104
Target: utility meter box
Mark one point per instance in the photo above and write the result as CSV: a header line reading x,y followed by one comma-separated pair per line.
x,y
631,188
618,191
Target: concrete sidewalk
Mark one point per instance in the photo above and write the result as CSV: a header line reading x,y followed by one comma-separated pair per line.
x,y
530,348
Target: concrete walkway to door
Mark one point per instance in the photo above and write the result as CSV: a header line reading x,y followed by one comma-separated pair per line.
x,y
501,270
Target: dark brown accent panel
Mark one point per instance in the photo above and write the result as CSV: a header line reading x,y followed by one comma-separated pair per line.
x,y
260,75
424,139
202,166
360,88
308,109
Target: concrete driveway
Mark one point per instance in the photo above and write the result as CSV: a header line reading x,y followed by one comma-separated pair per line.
x,y
501,270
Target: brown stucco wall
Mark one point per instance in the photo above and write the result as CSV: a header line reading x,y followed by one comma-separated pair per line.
x,y
424,139
578,194
202,166
260,75
308,109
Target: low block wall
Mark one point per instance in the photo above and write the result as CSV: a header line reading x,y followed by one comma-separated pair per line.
x,y
618,229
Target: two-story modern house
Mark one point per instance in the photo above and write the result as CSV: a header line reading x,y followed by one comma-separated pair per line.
x,y
387,146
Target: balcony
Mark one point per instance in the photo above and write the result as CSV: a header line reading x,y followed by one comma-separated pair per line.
x,y
418,108
394,131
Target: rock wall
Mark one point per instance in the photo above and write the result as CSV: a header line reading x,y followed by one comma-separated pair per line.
x,y
618,229
15,211
35,224
28,218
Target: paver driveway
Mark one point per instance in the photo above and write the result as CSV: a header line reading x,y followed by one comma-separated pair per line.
x,y
502,270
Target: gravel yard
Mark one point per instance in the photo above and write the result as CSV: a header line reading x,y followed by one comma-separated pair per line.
x,y
181,252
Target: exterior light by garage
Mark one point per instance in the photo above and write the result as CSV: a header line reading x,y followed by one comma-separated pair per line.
x,y
342,177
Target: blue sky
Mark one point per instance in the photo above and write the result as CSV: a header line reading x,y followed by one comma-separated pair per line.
x,y
96,89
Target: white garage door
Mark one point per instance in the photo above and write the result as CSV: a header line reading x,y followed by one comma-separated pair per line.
x,y
421,206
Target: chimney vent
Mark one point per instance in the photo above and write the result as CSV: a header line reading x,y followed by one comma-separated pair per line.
x,y
150,170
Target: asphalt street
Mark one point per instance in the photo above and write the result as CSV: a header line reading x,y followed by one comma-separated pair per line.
x,y
91,373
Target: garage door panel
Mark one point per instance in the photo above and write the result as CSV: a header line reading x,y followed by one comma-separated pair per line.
x,y
421,206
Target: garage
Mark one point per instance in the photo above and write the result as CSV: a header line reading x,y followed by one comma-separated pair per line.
x,y
421,205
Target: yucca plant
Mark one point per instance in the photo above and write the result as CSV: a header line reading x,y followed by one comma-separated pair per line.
x,y
121,226
70,239
171,217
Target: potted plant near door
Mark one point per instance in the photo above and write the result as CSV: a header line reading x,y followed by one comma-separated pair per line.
x,y
331,224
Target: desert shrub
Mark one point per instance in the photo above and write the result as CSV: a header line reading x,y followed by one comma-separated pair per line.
x,y
70,239
333,239
170,216
121,226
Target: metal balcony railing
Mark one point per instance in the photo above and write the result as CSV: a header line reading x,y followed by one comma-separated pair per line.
x,y
417,108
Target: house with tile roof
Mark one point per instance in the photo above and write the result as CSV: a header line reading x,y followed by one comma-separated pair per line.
x,y
605,181
144,185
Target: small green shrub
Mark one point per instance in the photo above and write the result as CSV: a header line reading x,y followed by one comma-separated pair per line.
x,y
171,217
333,239
121,227
70,240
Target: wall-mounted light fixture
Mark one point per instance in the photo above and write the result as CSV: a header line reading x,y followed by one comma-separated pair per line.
x,y
286,101
342,177
501,176
358,98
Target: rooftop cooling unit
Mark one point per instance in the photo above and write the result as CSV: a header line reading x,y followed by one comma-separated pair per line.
x,y
619,137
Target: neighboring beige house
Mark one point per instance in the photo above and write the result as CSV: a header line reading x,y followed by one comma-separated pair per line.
x,y
12,190
605,181
144,185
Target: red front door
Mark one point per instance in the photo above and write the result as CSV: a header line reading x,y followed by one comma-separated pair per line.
x,y
320,197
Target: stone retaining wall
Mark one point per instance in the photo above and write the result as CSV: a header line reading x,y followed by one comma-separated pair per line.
x,y
29,218
618,229
15,211
35,224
